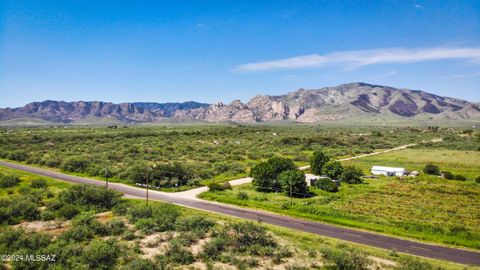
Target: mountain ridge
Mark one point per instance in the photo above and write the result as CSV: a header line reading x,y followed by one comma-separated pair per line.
x,y
345,101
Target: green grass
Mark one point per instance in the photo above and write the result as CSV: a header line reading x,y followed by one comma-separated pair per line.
x,y
466,163
426,208
301,242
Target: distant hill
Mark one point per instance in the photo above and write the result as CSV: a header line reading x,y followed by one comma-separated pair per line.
x,y
353,101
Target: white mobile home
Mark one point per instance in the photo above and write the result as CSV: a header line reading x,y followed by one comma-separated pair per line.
x,y
388,171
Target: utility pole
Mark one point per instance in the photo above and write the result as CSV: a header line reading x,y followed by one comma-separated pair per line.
x,y
106,177
291,200
148,176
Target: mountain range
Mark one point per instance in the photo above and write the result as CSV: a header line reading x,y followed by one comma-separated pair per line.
x,y
344,102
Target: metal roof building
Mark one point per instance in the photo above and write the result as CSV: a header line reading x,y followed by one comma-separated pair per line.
x,y
388,171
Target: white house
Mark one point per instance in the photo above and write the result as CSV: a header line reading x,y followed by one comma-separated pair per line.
x,y
388,171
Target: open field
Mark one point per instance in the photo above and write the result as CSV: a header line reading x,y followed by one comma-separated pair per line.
x,y
461,162
193,155
426,207
124,234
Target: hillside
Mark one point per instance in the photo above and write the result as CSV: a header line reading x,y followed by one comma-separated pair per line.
x,y
343,102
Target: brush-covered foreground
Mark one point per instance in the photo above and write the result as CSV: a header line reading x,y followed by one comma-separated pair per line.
x,y
86,227
190,156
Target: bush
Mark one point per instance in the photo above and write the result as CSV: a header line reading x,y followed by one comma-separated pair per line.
x,y
68,211
448,175
333,169
346,258
414,264
196,224
326,184
115,227
137,212
91,197
431,169
146,225
242,195
293,183
47,215
477,179
265,174
178,254
139,264
38,183
351,175
10,180
101,254
459,177
75,164
317,162
216,187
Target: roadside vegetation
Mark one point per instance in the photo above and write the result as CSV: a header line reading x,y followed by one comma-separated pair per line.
x,y
181,157
436,206
107,232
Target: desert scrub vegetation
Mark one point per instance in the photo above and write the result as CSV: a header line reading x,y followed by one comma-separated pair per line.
x,y
111,233
427,207
188,156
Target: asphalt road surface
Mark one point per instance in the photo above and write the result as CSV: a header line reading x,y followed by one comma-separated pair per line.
x,y
361,237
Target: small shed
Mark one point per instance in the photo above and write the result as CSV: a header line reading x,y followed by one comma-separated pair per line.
x,y
388,171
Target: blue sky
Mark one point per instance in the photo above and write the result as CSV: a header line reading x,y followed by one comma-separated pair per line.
x,y
212,51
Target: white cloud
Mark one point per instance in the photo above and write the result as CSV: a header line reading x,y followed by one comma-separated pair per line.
x,y
461,76
418,6
354,59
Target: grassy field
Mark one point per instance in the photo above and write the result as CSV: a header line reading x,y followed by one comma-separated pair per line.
x,y
114,239
466,163
427,207
191,155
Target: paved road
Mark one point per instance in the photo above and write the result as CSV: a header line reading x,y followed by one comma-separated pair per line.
x,y
361,237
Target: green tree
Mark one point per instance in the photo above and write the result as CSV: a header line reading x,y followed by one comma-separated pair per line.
x,y
351,175
75,164
333,169
326,184
265,174
293,183
431,169
317,162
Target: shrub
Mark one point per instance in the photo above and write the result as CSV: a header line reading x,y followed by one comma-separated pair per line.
x,y
216,187
139,264
413,264
75,164
100,254
196,224
459,177
346,258
47,215
317,162
91,197
115,227
477,179
333,169
245,235
146,225
10,180
448,175
293,183
38,183
68,211
351,175
178,254
139,211
431,169
326,184
242,195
